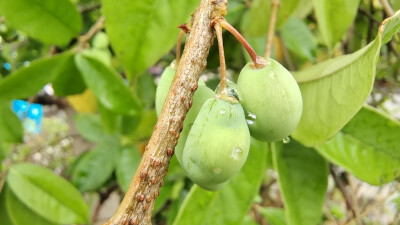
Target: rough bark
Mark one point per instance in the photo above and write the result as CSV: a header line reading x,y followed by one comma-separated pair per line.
x,y
138,203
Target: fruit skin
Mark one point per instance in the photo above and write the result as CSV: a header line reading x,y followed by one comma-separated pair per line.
x,y
163,86
273,97
202,94
217,145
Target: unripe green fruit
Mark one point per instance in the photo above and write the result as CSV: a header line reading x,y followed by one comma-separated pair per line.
x,y
217,145
100,40
231,89
165,83
202,94
271,99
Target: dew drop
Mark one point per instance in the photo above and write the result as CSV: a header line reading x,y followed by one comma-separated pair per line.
x,y
283,92
272,75
250,122
222,111
286,140
217,170
252,115
237,153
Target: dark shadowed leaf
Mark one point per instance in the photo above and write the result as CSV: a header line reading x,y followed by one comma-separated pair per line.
x,y
303,180
95,167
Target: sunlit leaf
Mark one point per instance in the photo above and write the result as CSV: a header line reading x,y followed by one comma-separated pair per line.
x,y
50,21
21,215
335,90
334,17
143,31
260,15
11,129
47,194
27,81
368,147
107,85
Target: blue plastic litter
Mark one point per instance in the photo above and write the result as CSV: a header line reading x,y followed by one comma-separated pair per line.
x,y
31,115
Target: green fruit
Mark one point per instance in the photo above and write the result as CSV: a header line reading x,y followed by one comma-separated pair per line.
x,y
217,145
165,83
100,41
231,89
201,95
163,86
272,101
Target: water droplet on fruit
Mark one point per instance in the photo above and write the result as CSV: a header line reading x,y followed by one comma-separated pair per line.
x,y
283,92
272,75
252,115
237,153
286,140
222,111
217,170
250,122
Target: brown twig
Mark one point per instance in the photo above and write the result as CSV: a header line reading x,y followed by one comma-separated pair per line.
x,y
348,198
90,8
387,7
97,26
137,205
275,4
178,46
222,83
257,60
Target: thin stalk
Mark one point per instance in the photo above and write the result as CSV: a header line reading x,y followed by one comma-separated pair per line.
x,y
178,47
275,4
257,60
222,83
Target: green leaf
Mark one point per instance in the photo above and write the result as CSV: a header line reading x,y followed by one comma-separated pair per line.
x,y
146,90
299,39
47,194
11,129
20,214
154,32
107,85
229,205
260,14
370,138
334,17
27,81
69,80
274,216
127,162
95,167
335,90
90,127
303,180
50,21
4,214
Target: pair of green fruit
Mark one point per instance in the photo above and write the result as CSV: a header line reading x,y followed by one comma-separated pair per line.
x,y
213,146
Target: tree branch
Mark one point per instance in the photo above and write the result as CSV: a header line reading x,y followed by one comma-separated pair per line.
x,y
137,205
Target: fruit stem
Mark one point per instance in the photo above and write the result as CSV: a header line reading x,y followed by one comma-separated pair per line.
x,y
275,4
222,83
258,61
178,47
